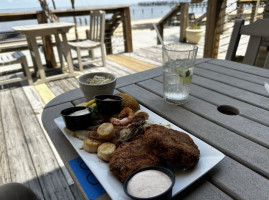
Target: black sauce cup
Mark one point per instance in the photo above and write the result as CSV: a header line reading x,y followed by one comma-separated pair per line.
x,y
79,122
166,195
108,104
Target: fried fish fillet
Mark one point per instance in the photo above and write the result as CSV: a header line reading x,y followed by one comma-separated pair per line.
x,y
130,156
171,145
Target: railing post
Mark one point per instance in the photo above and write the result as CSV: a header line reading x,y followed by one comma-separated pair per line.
x,y
223,17
127,30
240,10
166,18
108,42
160,28
254,11
266,10
47,44
184,21
212,34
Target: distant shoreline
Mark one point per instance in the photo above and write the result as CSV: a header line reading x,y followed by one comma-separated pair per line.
x,y
136,12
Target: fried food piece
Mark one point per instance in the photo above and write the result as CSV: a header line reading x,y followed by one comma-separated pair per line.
x,y
106,131
142,113
130,156
133,129
81,134
125,117
105,151
90,145
129,101
171,145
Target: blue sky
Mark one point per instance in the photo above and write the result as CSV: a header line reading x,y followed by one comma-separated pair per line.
x,y
13,4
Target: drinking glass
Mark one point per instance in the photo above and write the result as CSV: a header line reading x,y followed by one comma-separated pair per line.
x,y
178,65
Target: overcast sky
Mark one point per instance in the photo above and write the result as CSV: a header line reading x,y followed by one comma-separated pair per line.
x,y
11,4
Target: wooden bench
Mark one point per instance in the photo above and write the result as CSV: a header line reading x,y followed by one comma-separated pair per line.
x,y
13,58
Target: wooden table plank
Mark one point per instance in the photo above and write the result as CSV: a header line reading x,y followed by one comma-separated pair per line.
x,y
66,97
202,189
238,181
34,31
253,131
233,81
246,110
228,90
127,80
233,73
241,67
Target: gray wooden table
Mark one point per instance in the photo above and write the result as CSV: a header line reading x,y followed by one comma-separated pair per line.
x,y
33,31
243,138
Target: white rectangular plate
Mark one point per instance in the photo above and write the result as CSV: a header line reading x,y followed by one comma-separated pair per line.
x,y
209,157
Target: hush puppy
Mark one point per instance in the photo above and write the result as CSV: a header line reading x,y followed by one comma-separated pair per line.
x,y
129,101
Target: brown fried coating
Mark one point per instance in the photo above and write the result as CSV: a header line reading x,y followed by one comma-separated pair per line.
x,y
129,101
130,156
171,145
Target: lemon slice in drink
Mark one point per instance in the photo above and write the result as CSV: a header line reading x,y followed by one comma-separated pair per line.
x,y
185,75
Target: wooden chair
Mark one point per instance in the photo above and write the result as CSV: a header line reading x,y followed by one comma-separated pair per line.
x,y
13,58
95,39
258,32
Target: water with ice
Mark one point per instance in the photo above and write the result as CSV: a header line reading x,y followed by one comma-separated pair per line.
x,y
177,78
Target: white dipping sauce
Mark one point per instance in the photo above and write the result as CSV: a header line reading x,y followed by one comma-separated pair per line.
x,y
80,112
148,183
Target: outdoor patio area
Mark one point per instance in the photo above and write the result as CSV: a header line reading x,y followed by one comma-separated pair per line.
x,y
27,154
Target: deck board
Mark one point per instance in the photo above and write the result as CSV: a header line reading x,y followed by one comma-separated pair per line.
x,y
44,92
4,165
44,161
18,153
37,105
131,63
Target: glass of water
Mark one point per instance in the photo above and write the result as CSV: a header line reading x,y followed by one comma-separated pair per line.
x,y
178,65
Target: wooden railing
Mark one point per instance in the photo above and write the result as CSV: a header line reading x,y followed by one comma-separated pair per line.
x,y
255,5
120,14
214,22
184,15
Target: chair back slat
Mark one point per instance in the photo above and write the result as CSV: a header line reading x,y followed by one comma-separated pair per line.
x,y
266,64
252,50
235,38
97,25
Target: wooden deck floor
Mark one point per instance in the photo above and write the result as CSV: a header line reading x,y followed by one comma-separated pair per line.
x,y
26,152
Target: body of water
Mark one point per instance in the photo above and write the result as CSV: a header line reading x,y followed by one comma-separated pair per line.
x,y
137,12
